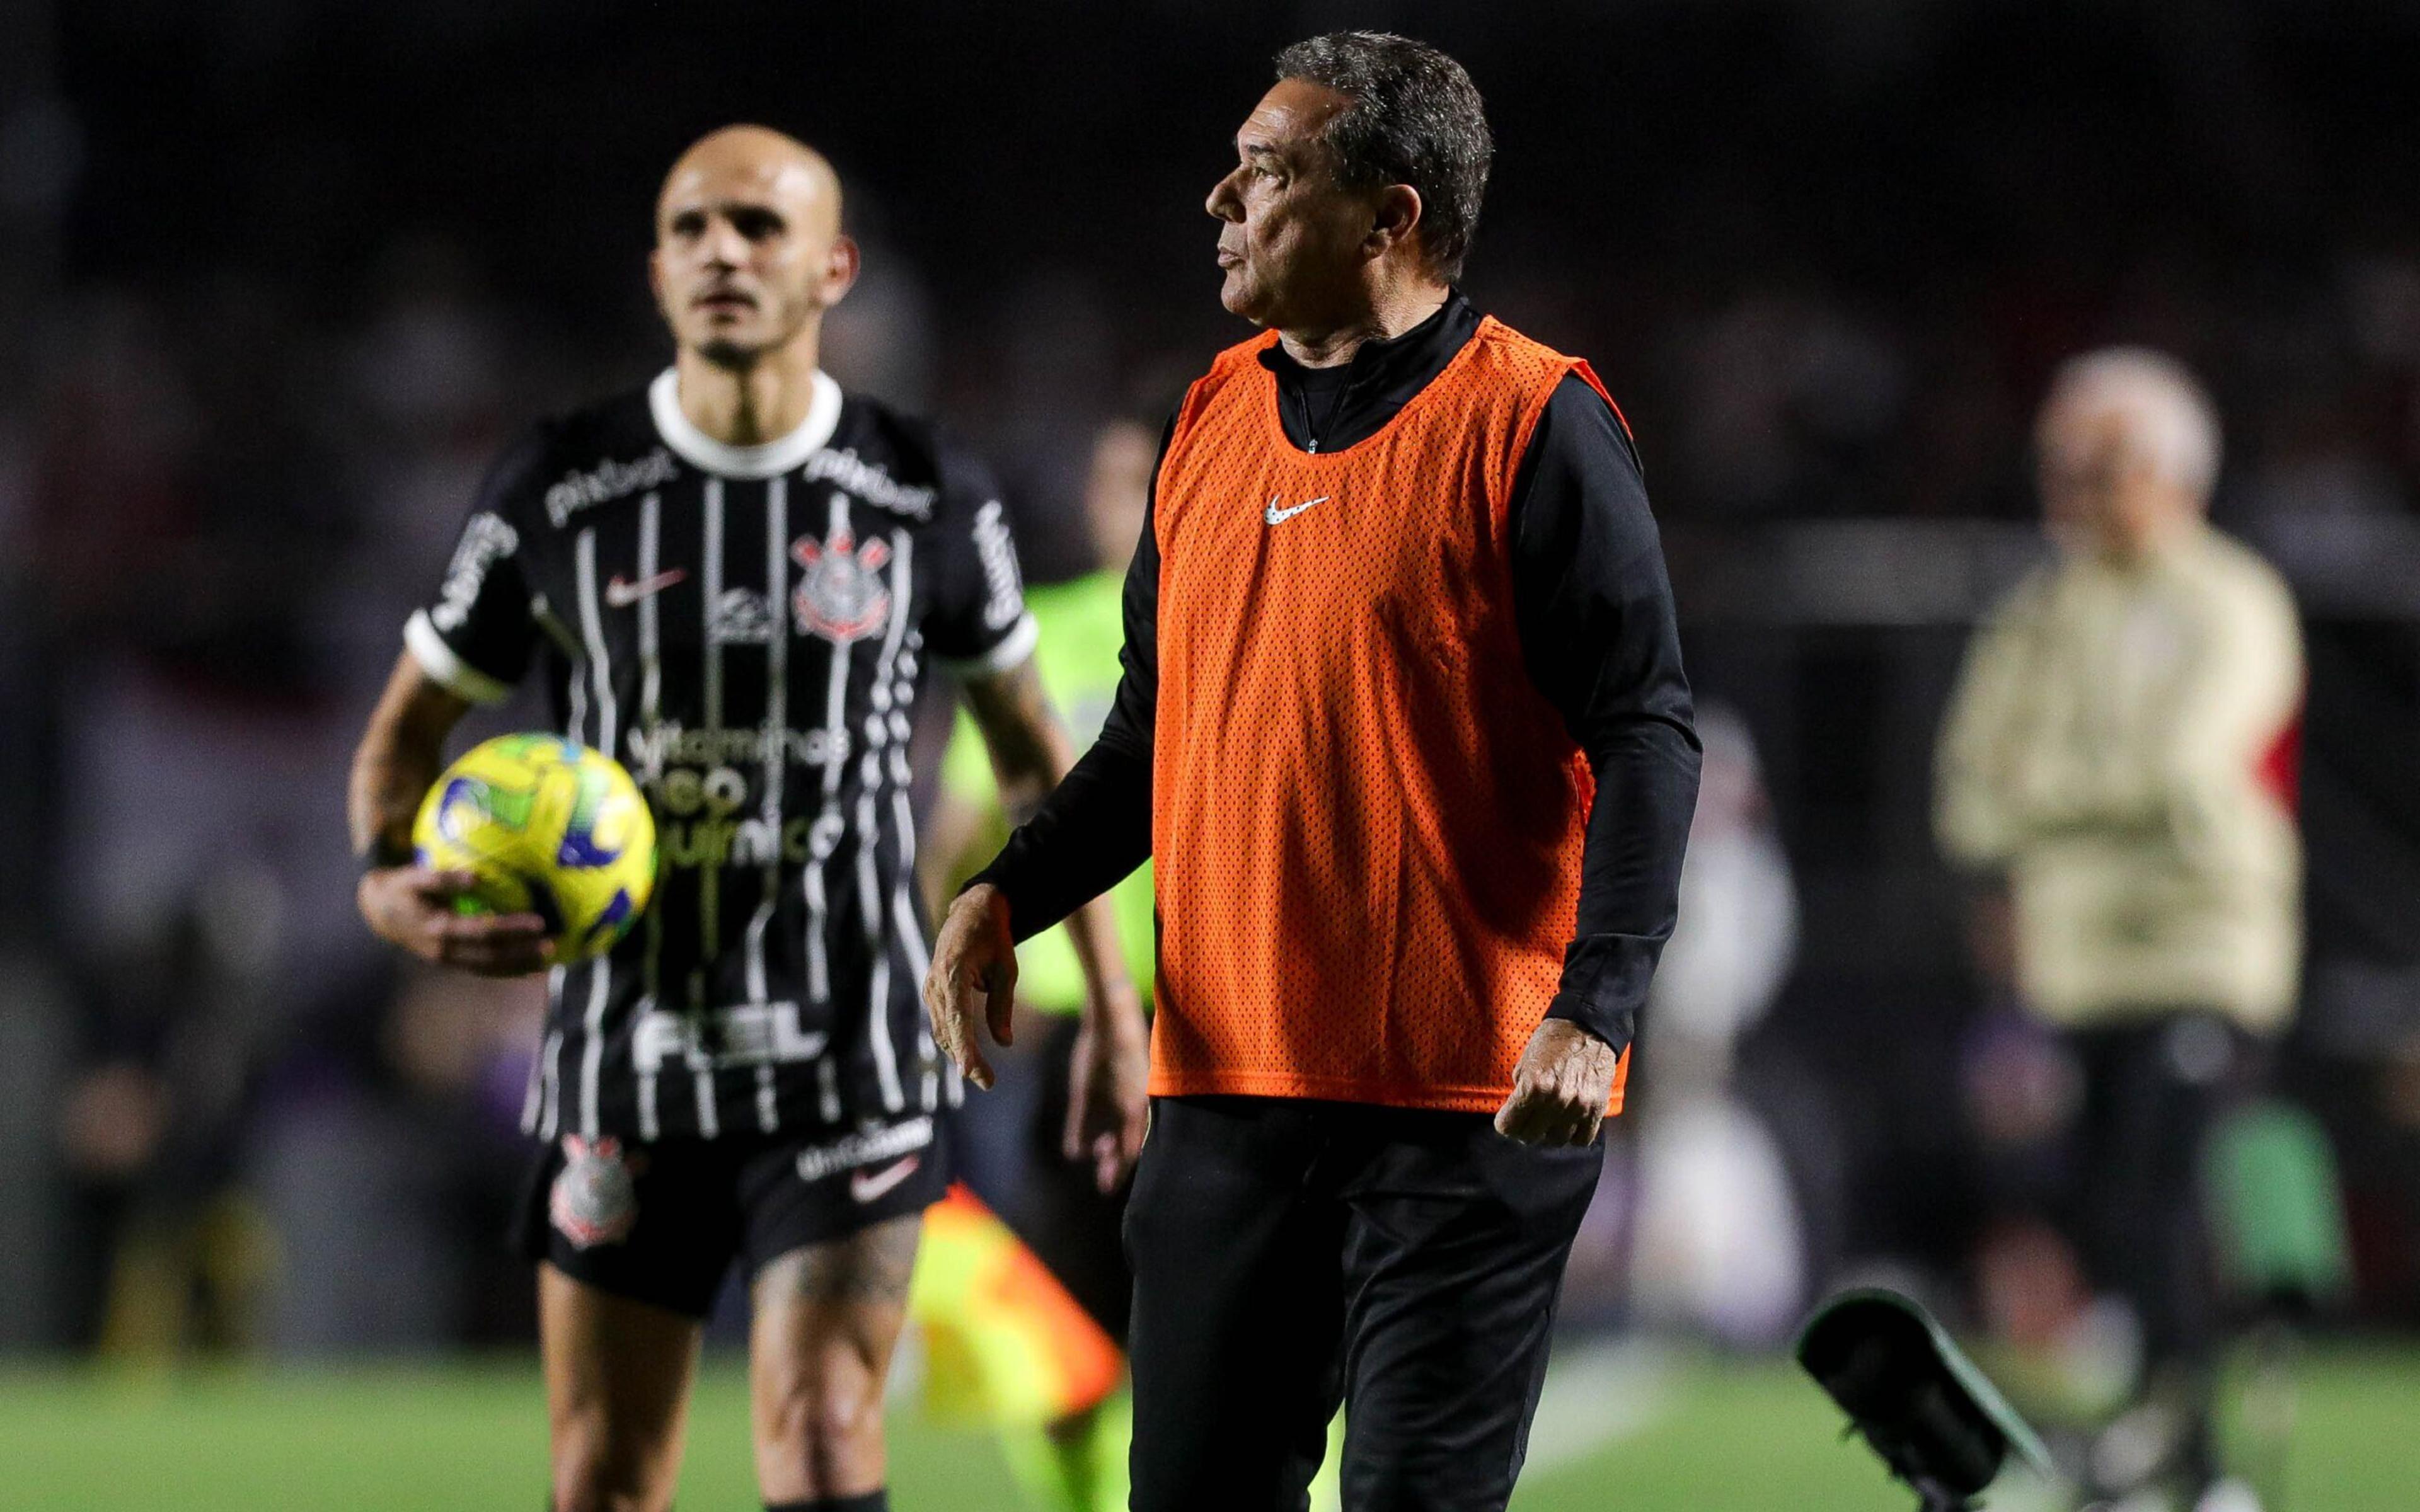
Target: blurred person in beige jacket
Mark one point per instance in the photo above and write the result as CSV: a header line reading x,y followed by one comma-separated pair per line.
x,y
2120,751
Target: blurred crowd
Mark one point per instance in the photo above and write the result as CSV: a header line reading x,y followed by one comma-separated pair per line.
x,y
275,286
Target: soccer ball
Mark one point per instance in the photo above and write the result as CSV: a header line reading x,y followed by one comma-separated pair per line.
x,y
548,827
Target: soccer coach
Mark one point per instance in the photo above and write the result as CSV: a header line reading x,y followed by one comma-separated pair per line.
x,y
1403,721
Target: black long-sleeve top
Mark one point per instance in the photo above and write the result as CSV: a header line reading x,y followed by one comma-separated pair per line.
x,y
1598,640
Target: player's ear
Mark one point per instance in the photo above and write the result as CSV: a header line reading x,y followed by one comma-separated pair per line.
x,y
840,271
1393,219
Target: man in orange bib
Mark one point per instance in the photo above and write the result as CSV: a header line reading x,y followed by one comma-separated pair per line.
x,y
1404,726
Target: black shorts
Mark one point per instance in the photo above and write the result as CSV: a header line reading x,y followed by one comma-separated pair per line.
x,y
1290,1255
661,1222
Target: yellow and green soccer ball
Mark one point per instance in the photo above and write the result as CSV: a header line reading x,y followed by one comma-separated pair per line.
x,y
548,827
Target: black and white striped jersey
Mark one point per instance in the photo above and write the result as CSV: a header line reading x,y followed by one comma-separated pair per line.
x,y
748,629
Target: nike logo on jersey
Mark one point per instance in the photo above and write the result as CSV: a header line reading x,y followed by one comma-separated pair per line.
x,y
622,593
867,1185
1277,517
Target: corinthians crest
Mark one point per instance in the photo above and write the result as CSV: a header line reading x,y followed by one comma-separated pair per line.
x,y
595,1196
842,596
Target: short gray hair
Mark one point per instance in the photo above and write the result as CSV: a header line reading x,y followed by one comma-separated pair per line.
x,y
2175,424
1416,118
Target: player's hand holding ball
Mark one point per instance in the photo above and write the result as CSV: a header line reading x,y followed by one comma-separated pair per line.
x,y
973,972
415,907
531,852
1560,1088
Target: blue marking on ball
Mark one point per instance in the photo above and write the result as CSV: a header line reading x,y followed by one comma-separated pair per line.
x,y
580,848
611,922
463,793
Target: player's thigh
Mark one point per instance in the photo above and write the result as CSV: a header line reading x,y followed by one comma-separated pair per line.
x,y
1239,1305
1453,1258
632,1243
617,1375
828,1317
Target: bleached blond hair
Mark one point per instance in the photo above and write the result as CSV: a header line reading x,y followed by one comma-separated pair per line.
x,y
2174,425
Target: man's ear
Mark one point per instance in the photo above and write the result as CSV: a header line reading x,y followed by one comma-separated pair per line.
x,y
656,280
841,265
1395,219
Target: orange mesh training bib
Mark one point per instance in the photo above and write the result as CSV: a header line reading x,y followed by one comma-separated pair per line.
x,y
1366,821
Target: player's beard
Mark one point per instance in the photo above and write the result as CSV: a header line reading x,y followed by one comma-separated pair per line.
x,y
730,352
737,353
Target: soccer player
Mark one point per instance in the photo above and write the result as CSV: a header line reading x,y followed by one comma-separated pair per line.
x,y
737,578
2120,749
1403,726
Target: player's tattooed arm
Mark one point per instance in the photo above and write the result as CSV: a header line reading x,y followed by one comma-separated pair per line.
x,y
399,756
1107,1103
869,1267
1030,748
411,907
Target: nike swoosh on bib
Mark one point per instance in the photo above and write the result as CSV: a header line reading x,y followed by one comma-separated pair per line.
x,y
865,1186
622,593
1275,515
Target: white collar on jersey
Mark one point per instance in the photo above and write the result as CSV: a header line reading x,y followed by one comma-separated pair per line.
x,y
760,461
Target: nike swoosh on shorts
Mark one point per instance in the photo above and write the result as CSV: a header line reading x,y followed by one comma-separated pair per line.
x,y
865,1186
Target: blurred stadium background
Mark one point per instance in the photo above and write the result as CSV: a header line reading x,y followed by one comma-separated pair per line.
x,y
277,276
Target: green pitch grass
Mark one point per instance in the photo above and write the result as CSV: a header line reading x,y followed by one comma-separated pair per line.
x,y
1698,1436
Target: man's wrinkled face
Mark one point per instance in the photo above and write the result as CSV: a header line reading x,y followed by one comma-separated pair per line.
x,y
2099,488
1291,236
748,250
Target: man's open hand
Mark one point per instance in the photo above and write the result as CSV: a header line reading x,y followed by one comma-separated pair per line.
x,y
1560,1089
413,906
973,972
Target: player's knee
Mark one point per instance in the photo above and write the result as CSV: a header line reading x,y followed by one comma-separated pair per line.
x,y
836,1428
831,1430
595,1473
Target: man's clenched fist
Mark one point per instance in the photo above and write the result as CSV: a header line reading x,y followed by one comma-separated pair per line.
x,y
1560,1089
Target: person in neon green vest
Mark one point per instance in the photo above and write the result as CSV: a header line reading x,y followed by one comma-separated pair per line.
x,y
1076,1462
1082,629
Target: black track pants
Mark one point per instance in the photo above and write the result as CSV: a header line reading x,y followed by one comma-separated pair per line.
x,y
1289,1254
